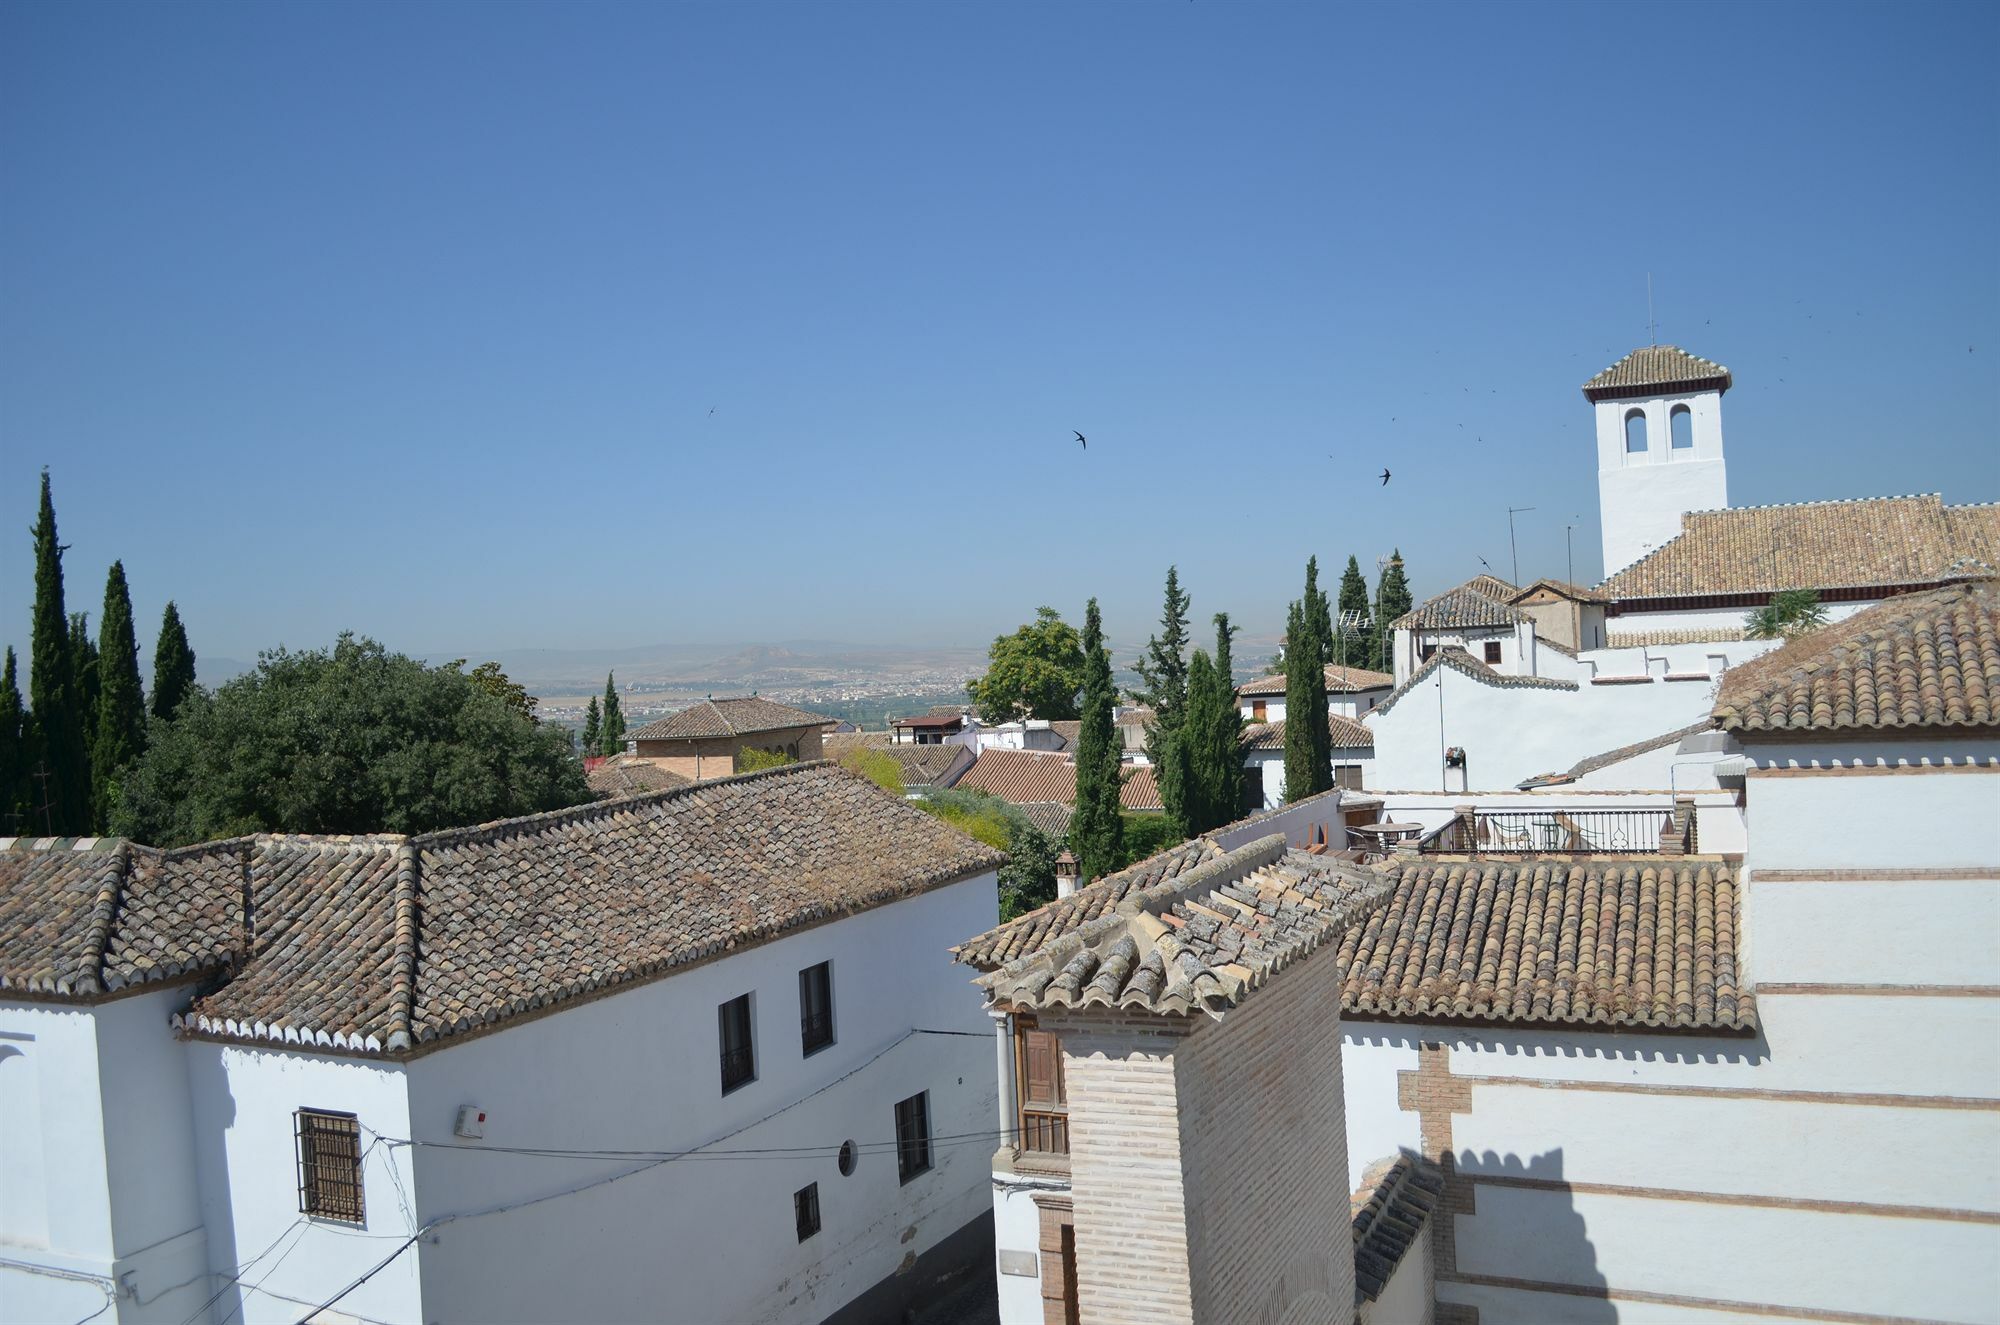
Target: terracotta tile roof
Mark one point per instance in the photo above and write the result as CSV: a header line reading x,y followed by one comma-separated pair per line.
x,y
1492,586
1023,934
1620,755
1025,776
1346,732
922,765
1647,943
1460,661
628,775
1869,543
1339,680
1391,1207
1635,639
1656,370
1069,729
726,717
952,721
1924,660
528,913
1457,608
83,918
1200,942
1051,817
1560,587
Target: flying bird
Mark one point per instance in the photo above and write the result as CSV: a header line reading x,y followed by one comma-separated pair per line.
x,y
1385,478
1082,441
1482,561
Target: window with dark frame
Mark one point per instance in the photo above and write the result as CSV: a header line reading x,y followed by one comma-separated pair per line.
x,y
913,1137
329,1152
1044,1103
805,1209
739,1058
816,1007
1347,776
1493,650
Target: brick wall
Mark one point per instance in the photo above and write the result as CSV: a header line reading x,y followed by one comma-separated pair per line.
x,y
1208,1161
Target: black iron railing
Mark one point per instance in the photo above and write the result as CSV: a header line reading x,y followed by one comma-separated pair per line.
x,y
815,1030
1560,832
738,1066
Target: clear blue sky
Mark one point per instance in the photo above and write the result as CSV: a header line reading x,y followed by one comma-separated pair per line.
x,y
410,318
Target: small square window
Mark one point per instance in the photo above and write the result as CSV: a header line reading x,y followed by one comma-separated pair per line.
x,y
739,1059
805,1210
913,1137
329,1151
816,1007
1493,651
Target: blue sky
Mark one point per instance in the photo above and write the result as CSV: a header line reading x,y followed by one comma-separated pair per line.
x,y
411,319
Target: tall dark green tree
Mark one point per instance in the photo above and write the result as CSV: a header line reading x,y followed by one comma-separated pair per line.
x,y
1213,736
173,665
121,706
593,730
1351,648
1308,745
1164,670
612,737
63,791
13,753
1316,700
1096,831
83,651
1392,599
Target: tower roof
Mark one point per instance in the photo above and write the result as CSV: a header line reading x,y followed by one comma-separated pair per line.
x,y
1654,369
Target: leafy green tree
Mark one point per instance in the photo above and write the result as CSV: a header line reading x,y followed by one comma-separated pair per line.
x,y
593,729
173,665
61,734
1164,670
489,677
1037,670
1790,614
1028,879
1147,834
13,752
1392,599
751,760
349,740
1096,833
1352,649
613,735
121,705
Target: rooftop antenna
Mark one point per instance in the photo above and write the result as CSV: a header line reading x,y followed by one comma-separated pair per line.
x,y
1569,550
1652,327
1512,551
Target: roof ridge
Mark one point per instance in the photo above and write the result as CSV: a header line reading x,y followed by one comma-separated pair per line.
x,y
403,970
103,911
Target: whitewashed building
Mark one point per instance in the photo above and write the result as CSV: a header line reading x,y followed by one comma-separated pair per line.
x,y
1350,693
693,1055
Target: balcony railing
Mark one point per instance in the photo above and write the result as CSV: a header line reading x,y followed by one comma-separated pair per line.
x,y
1563,832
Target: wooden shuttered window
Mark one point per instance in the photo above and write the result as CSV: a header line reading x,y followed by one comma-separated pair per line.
x,y
1044,1103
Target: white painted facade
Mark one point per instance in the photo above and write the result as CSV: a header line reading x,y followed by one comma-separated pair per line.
x,y
1339,703
1265,769
1642,494
148,1168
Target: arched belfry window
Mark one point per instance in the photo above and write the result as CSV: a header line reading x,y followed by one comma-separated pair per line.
x,y
1635,430
1680,423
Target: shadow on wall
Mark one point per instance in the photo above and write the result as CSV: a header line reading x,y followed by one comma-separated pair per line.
x,y
214,1115
1526,1226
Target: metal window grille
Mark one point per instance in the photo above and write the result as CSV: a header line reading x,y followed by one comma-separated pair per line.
x,y
913,1137
329,1153
816,1007
739,1061
805,1209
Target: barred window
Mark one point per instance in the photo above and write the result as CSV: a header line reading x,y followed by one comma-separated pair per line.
x,y
739,1059
329,1150
816,1007
913,1137
805,1210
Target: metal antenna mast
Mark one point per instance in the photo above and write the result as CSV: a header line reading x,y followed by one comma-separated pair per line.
x,y
1512,551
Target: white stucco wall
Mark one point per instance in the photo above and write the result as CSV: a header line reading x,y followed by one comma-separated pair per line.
x,y
1642,495
640,1071
1266,768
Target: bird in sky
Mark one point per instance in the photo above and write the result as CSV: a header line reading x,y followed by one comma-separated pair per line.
x,y
1482,561
1385,478
1082,441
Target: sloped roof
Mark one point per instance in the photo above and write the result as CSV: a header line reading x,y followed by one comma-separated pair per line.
x,y
1654,370
1339,680
1492,586
1564,588
1460,661
628,775
388,944
727,717
1639,942
1347,734
1924,660
1023,934
1618,756
1200,942
1867,543
1051,817
1395,1200
1460,607
1027,776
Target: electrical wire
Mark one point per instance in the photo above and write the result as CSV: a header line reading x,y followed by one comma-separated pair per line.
x,y
236,1275
985,1136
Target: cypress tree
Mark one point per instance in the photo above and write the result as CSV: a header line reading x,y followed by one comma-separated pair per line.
x,y
1194,743
52,691
121,707
1302,659
13,752
173,665
1316,703
613,735
1392,599
84,668
1164,670
1351,649
1097,832
1214,736
592,732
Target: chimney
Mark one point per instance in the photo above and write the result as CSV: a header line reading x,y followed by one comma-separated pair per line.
x,y
1065,873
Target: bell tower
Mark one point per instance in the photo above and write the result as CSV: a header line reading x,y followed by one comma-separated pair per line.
x,y
1659,447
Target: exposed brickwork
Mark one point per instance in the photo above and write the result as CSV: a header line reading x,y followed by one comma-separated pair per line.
x,y
1435,1094
1058,1215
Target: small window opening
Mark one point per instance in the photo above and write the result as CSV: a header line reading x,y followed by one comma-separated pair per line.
x,y
805,1210
329,1146
913,1137
1635,430
1680,424
816,1007
846,1159
739,1059
1493,650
